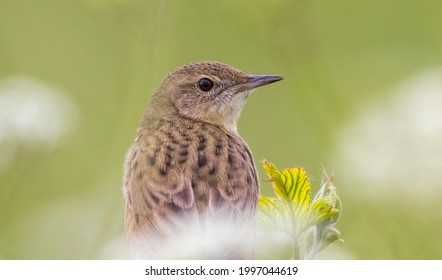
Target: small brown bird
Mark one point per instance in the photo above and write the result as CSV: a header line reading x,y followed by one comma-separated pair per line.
x,y
190,182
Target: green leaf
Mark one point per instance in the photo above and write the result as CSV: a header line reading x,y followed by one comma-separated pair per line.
x,y
322,210
310,225
330,236
269,211
270,169
290,185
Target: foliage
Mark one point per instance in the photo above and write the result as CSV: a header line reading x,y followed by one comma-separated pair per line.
x,y
310,225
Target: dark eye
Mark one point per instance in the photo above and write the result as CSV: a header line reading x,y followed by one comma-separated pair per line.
x,y
205,84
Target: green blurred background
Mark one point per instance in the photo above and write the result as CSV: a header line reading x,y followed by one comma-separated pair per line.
x,y
362,96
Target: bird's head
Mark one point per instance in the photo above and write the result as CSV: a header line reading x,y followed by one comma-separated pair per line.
x,y
208,91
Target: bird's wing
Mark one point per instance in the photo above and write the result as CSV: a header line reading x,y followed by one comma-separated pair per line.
x,y
232,203
159,198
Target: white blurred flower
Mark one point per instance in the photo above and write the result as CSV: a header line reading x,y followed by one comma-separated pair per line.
x,y
396,144
32,115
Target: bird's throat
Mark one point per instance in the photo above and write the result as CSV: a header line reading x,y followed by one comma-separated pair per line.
x,y
232,111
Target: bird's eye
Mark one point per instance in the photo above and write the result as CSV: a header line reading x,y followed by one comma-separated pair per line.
x,y
205,84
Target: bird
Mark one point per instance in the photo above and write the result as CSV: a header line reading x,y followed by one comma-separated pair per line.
x,y
190,182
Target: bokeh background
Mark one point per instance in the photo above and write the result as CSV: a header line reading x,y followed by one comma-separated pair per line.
x,y
362,96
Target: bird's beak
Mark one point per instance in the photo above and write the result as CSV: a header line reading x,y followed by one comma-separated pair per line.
x,y
255,81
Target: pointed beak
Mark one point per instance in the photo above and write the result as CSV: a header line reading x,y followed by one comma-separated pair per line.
x,y
255,81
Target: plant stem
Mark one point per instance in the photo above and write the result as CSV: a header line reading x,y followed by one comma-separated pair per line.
x,y
296,249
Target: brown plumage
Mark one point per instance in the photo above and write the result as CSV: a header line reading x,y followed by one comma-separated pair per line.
x,y
189,173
